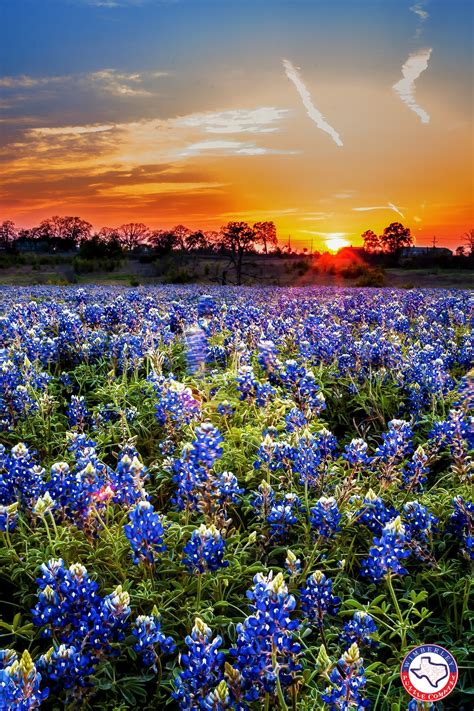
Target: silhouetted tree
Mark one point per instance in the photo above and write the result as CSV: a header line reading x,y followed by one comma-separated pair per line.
x,y
195,241
372,242
266,234
460,251
395,237
181,234
469,240
64,232
8,234
164,241
237,238
132,235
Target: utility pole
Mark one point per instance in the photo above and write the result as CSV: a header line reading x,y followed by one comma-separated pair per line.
x,y
311,253
434,241
289,243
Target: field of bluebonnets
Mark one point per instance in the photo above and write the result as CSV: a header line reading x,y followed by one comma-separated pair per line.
x,y
232,498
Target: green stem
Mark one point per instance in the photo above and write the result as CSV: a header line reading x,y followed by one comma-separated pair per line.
x,y
403,631
281,698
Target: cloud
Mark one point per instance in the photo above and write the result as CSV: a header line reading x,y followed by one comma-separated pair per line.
x,y
261,120
388,206
119,83
405,88
110,80
314,114
26,82
422,15
229,148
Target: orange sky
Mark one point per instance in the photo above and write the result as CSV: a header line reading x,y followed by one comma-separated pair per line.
x,y
317,144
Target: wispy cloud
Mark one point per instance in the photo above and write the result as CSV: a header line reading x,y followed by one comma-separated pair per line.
x,y
119,83
388,206
222,147
315,115
261,120
27,82
405,88
109,80
422,14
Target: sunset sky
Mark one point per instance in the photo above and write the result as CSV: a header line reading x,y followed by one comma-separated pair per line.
x,y
327,116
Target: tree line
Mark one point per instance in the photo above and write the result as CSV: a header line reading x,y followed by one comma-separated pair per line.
x,y
235,239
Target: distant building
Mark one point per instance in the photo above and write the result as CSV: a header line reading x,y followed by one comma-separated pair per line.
x,y
413,252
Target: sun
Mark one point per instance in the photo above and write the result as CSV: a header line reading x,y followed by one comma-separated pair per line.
x,y
336,241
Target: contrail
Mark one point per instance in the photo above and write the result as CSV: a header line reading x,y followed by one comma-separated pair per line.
x,y
388,206
314,114
405,88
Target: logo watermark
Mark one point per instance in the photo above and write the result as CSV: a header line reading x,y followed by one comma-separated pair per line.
x,y
429,672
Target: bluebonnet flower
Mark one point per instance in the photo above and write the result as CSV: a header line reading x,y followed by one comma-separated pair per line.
x,y
373,513
282,515
77,413
348,681
70,608
317,599
150,640
207,306
268,356
262,500
20,682
325,517
396,445
176,405
145,532
8,517
22,478
67,667
416,472
309,396
386,553
292,564
355,453
360,629
195,344
225,408
266,651
127,481
202,668
205,550
461,523
420,524
252,389
295,419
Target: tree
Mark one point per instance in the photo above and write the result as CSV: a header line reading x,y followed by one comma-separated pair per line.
x,y
266,234
132,235
395,237
195,241
181,233
8,234
237,238
372,242
460,251
163,241
469,240
64,232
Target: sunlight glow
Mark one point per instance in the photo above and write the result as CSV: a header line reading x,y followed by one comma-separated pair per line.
x,y
335,241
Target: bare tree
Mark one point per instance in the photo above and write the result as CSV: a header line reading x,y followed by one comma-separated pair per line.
x,y
133,234
8,234
237,238
266,234
469,240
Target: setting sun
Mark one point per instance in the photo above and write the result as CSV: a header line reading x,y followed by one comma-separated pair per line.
x,y
335,241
